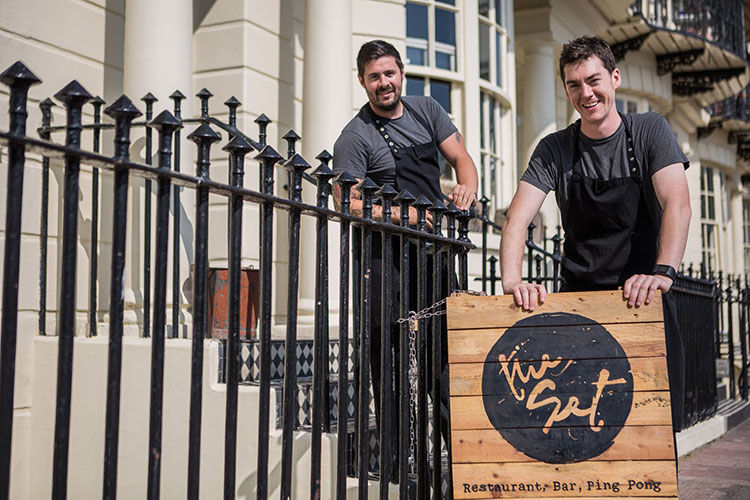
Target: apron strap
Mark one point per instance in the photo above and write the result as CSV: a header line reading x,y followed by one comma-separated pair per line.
x,y
421,120
633,165
380,127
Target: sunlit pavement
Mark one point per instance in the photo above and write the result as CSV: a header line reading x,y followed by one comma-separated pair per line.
x,y
720,469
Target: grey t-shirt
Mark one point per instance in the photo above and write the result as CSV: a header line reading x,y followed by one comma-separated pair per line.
x,y
655,147
361,151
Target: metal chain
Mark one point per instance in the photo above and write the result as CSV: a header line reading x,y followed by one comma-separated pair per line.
x,y
413,370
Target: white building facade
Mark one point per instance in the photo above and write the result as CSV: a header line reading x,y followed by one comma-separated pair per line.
x,y
492,64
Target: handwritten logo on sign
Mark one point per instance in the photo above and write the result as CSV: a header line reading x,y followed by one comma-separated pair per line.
x,y
557,387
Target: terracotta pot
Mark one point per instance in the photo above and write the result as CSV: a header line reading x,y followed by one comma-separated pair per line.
x,y
218,302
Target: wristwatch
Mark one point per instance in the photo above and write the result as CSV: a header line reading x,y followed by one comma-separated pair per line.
x,y
665,270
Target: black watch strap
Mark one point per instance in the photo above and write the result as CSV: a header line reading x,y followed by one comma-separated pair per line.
x,y
665,270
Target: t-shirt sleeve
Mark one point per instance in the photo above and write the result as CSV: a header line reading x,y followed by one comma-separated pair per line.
x,y
444,127
542,169
663,149
350,155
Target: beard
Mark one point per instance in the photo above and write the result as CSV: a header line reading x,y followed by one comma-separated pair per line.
x,y
386,106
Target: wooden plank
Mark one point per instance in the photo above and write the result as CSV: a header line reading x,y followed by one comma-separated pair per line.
x,y
653,442
649,374
648,408
637,340
499,311
540,480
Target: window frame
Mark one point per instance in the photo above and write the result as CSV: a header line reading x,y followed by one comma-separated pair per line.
x,y
495,53
710,254
432,43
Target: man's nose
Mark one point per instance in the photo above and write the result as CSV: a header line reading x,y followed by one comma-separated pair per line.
x,y
586,90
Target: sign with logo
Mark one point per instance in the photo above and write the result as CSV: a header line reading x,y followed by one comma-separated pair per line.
x,y
571,400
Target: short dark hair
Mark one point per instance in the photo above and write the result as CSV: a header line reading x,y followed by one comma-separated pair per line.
x,y
375,49
582,48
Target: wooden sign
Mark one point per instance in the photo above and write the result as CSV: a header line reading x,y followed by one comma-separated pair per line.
x,y
571,400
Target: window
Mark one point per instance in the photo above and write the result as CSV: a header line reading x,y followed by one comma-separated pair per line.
x,y
626,105
708,221
431,34
746,232
490,116
493,41
726,199
440,90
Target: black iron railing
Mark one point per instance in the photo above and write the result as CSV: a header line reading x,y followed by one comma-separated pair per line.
x,y
736,107
717,21
698,319
357,234
448,251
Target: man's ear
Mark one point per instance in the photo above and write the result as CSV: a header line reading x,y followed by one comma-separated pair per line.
x,y
362,80
616,78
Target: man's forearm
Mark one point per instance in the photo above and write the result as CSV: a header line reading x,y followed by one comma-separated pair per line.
x,y
466,173
355,208
673,235
511,252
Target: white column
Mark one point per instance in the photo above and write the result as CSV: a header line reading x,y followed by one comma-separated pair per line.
x,y
538,106
326,108
158,59
471,126
736,215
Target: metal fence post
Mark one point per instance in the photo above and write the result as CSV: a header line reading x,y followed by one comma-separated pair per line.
x,y
404,199
166,124
320,390
296,166
268,157
177,98
386,194
46,108
423,479
238,147
149,99
345,182
204,137
19,79
123,112
97,103
73,96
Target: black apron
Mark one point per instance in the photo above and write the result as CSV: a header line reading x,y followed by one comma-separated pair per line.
x,y
610,236
417,166
417,171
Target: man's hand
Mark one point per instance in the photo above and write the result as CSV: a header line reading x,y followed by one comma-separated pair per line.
x,y
527,295
463,197
412,217
640,288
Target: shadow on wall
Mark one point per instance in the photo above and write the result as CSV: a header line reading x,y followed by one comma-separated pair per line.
x,y
200,10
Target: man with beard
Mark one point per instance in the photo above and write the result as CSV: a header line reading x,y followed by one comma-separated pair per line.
x,y
395,140
619,181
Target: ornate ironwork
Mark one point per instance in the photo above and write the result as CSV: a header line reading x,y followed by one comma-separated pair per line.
x,y
704,132
719,22
619,49
689,83
665,63
736,107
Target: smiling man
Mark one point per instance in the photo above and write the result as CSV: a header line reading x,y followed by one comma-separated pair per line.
x,y
396,140
620,185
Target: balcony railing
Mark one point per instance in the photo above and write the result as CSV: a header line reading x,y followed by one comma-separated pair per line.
x,y
717,21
